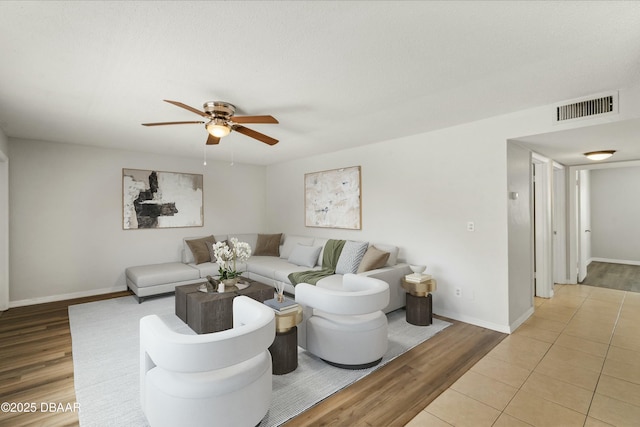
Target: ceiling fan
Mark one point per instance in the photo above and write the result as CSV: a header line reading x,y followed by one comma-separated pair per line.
x,y
221,121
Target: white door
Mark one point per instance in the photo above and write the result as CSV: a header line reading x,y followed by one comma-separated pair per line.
x,y
584,224
559,225
543,239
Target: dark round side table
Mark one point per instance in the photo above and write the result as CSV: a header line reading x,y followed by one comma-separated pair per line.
x,y
284,350
419,302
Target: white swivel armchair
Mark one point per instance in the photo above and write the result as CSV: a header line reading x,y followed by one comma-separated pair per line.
x,y
222,378
346,327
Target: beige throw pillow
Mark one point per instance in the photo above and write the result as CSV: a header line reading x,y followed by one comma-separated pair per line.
x,y
372,259
200,250
268,245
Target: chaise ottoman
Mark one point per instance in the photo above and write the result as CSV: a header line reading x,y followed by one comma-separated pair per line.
x,y
158,279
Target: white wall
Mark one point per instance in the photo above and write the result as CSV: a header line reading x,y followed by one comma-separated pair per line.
x,y
419,192
4,222
520,234
615,211
66,216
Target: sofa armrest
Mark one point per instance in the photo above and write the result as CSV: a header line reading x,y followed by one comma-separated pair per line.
x,y
393,276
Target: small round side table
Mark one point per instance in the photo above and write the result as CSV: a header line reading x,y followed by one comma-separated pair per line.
x,y
284,350
419,301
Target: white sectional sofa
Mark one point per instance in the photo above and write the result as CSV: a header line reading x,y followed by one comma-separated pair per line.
x,y
292,254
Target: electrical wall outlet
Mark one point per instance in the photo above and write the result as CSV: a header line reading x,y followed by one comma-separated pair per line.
x,y
458,292
471,226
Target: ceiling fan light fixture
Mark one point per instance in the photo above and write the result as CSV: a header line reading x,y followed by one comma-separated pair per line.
x,y
599,155
218,128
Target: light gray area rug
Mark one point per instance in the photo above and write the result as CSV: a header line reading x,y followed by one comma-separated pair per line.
x,y
105,340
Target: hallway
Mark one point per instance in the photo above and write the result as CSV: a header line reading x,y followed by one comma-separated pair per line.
x,y
613,276
575,362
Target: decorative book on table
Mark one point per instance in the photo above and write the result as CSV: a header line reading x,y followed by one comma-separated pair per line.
x,y
284,306
417,278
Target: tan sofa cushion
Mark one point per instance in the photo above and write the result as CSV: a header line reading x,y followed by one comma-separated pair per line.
x,y
268,245
373,258
200,250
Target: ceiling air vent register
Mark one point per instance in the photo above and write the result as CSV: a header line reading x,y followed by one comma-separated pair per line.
x,y
587,108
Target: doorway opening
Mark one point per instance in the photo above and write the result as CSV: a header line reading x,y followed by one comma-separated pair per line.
x,y
542,179
605,236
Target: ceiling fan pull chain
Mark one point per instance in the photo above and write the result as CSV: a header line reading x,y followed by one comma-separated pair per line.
x,y
205,156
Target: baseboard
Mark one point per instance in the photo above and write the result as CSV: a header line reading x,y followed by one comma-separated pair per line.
x,y
473,321
616,261
62,297
515,325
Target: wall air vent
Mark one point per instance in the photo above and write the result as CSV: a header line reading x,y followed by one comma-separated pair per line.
x,y
594,106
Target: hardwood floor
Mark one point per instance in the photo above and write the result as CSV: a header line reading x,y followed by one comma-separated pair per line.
x,y
36,364
623,277
397,392
37,367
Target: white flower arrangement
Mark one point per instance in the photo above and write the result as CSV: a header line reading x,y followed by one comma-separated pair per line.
x,y
227,256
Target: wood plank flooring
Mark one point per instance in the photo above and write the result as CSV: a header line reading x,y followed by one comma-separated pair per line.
x,y
623,277
36,366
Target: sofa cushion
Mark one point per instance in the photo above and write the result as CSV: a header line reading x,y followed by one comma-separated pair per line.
x,y
199,249
372,259
290,242
350,257
206,269
306,256
187,256
320,242
212,253
268,266
250,238
159,274
268,245
393,253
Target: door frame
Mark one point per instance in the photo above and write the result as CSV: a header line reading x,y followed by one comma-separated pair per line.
x,y
560,222
543,225
4,232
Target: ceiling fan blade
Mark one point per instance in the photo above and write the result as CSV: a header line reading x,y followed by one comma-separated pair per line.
x,y
257,135
253,119
169,123
213,140
186,107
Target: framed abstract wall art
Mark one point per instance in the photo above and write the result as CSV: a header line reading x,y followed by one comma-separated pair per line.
x,y
157,199
332,198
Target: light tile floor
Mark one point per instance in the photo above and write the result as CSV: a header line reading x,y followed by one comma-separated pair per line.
x,y
575,362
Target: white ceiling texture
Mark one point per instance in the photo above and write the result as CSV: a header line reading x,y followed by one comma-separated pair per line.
x,y
336,74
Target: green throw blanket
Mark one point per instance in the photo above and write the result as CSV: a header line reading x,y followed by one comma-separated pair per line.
x,y
332,251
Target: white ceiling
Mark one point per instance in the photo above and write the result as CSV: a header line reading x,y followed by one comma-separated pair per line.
x,y
567,147
335,74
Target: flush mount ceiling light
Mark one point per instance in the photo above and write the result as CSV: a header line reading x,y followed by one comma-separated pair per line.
x,y
599,155
218,128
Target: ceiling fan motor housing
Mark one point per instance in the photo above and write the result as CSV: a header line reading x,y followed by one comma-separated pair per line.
x,y
219,109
